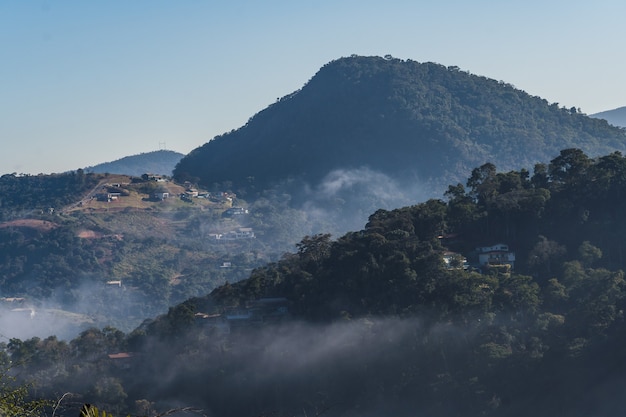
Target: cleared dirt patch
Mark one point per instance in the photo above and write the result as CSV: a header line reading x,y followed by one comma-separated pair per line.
x,y
41,225
88,234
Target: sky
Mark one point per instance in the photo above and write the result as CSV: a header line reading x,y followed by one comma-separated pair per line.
x,y
87,82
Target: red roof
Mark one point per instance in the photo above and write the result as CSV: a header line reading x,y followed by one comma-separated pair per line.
x,y
121,355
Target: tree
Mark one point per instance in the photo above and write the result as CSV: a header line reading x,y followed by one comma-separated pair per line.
x,y
589,254
314,248
545,257
482,183
15,398
569,167
109,390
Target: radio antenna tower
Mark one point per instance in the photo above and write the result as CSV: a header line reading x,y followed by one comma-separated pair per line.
x,y
162,146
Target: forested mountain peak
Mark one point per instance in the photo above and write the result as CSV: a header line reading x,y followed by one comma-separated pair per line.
x,y
155,162
409,120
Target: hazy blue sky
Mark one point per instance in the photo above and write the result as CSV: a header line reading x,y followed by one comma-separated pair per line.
x,y
85,82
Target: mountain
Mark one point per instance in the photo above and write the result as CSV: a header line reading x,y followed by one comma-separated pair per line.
x,y
156,162
616,117
416,123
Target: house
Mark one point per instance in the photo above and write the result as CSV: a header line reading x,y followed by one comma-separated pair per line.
x,y
213,322
234,211
498,254
161,195
222,197
154,177
108,197
13,300
241,233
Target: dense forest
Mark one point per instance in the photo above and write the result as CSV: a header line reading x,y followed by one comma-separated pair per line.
x,y
413,122
377,322
25,194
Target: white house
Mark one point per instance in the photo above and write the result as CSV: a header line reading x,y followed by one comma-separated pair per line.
x,y
241,233
497,254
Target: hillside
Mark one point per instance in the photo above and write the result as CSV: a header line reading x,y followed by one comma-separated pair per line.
x,y
157,162
616,117
419,125
116,249
489,303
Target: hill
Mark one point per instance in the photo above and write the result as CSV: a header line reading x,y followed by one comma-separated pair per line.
x,y
157,162
419,125
392,328
117,249
616,117
505,300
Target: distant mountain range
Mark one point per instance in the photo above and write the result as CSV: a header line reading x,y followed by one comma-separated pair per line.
x,y
157,162
415,123
616,117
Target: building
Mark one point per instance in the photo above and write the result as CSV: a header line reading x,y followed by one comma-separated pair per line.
x,y
161,195
108,197
122,360
241,233
234,211
498,254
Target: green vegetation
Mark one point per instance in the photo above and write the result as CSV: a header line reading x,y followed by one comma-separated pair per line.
x,y
158,252
410,121
20,194
403,317
378,323
16,399
157,162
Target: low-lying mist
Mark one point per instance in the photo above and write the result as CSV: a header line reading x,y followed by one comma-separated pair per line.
x,y
345,368
341,202
347,197
68,312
